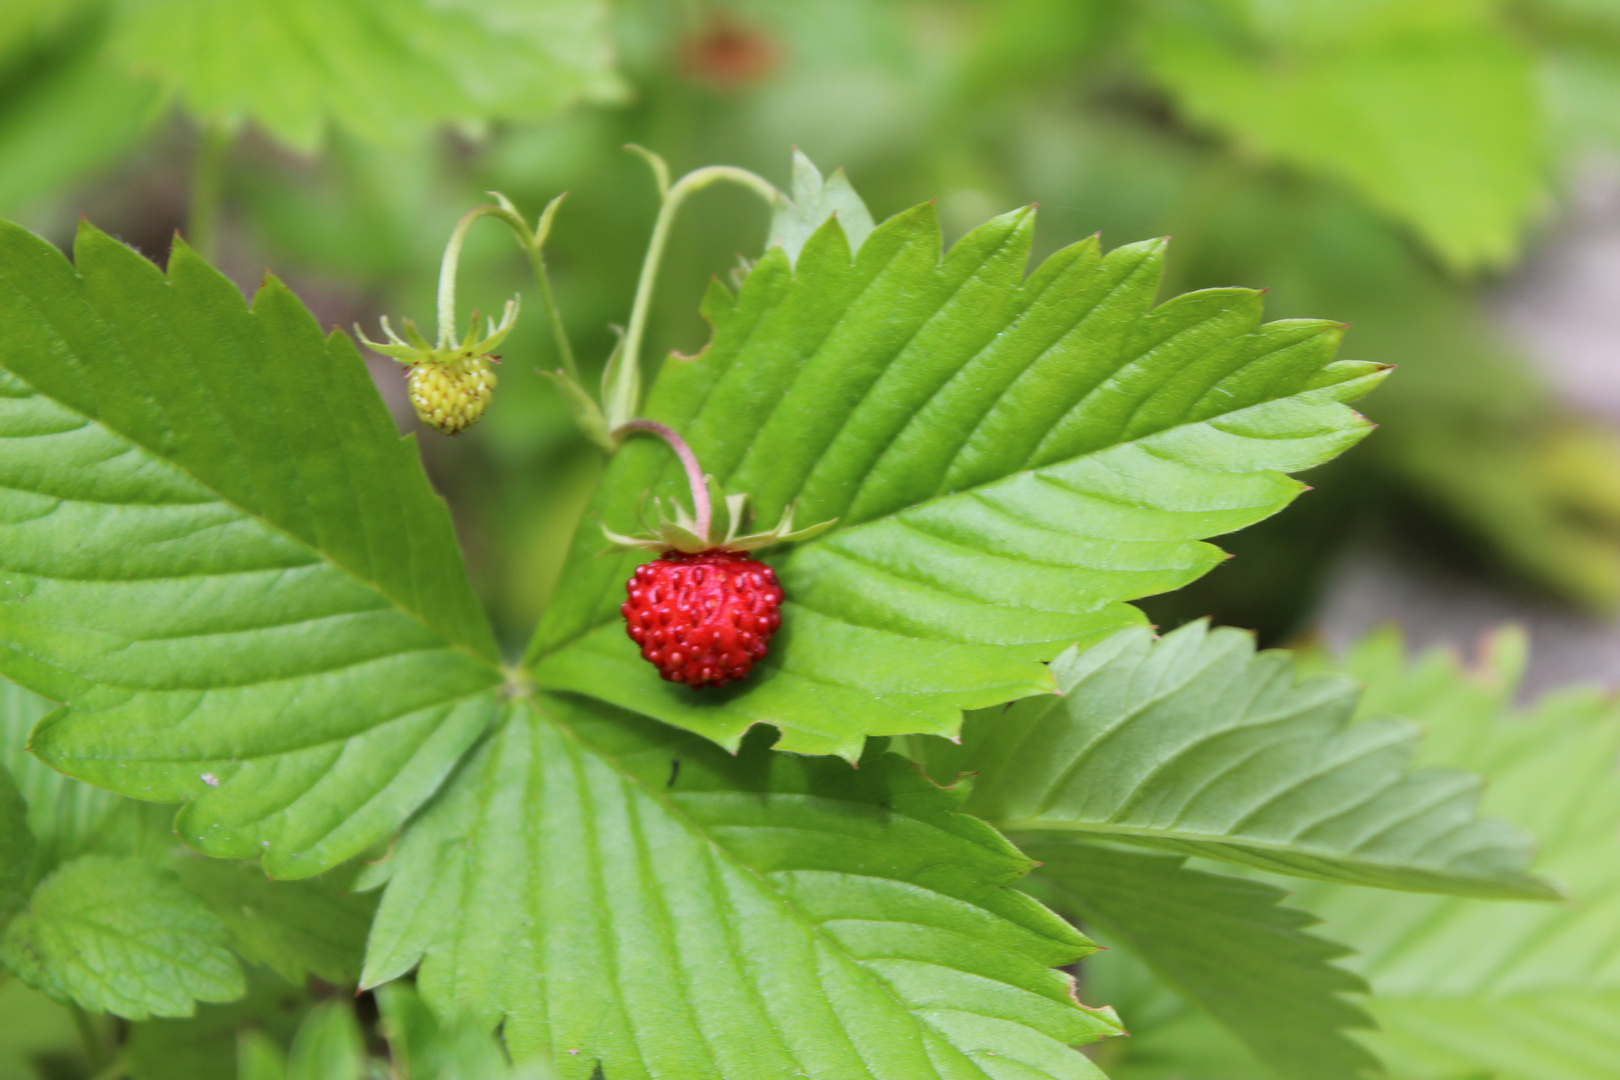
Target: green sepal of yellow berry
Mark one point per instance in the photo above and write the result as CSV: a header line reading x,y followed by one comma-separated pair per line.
x,y
450,383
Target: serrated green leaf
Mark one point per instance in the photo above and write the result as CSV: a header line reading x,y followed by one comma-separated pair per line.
x,y
813,201
1223,942
619,893
1008,460
328,1046
1197,744
216,550
1428,109
1515,991
66,817
295,928
121,936
292,927
384,70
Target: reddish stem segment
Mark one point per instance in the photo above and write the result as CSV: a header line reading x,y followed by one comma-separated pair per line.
x,y
694,472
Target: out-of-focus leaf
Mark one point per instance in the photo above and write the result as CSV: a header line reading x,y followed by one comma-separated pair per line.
x,y
813,201
1223,942
1198,745
1014,44
1544,497
619,893
1008,461
385,70
208,1045
328,1046
16,847
1513,991
121,936
1579,43
292,927
66,119
67,817
35,1028
1428,107
424,1046
259,1057
219,553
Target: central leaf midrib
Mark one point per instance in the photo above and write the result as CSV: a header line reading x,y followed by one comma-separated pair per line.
x,y
442,703
949,588
271,526
1045,827
722,854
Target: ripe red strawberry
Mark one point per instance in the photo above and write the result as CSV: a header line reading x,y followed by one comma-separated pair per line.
x,y
705,611
703,618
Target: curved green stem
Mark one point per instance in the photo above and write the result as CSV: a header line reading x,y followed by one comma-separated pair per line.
x,y
537,260
451,263
622,391
702,511
533,242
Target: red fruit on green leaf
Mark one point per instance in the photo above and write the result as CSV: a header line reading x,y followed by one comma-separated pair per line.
x,y
703,619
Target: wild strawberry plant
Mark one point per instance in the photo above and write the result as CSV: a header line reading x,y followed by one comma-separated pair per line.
x,y
228,587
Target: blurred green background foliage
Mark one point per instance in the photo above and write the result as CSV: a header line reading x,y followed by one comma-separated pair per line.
x,y
1388,163
1381,162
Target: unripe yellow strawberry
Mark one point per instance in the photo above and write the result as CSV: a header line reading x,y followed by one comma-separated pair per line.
x,y
451,396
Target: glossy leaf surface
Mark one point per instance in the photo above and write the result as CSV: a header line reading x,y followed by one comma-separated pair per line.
x,y
619,893
1008,460
218,553
1198,745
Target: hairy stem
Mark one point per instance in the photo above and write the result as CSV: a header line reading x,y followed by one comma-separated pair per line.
x,y
624,396
702,511
559,334
207,189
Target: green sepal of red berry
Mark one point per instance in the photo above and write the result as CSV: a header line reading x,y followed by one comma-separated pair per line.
x,y
677,530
